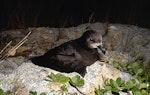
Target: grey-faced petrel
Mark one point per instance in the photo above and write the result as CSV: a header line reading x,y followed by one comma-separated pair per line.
x,y
74,55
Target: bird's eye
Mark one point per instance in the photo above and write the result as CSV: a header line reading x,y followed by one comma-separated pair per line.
x,y
92,40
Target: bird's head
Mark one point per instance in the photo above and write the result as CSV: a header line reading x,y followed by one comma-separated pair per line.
x,y
93,40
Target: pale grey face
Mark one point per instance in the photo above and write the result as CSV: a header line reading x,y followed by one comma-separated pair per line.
x,y
94,40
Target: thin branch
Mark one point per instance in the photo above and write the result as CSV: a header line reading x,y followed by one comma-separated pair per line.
x,y
21,42
13,50
5,47
90,18
89,24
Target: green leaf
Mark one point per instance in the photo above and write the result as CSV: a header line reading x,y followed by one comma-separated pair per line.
x,y
2,92
144,92
135,88
131,83
129,67
59,78
63,79
77,81
64,88
107,82
43,93
8,92
144,78
33,93
119,81
5,93
143,85
113,83
124,65
115,90
137,93
139,71
116,64
108,88
99,92
52,76
135,65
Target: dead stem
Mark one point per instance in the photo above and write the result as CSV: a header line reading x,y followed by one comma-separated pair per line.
x,y
12,51
5,47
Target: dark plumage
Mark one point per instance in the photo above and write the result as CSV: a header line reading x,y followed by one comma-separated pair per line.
x,y
73,55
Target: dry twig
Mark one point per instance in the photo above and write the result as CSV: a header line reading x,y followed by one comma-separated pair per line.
x,y
5,47
12,51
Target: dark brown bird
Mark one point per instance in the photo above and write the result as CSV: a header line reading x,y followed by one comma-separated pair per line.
x,y
74,55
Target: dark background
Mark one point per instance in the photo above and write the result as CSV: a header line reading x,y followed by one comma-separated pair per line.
x,y
16,14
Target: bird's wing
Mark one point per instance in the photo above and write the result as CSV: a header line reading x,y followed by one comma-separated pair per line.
x,y
66,54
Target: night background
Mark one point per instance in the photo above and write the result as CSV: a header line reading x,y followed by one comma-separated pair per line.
x,y
15,14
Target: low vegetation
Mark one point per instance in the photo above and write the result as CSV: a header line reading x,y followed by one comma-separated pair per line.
x,y
2,92
139,85
75,81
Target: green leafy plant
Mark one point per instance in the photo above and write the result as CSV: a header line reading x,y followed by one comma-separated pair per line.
x,y
33,93
64,88
77,81
74,81
115,86
2,92
59,78
100,91
139,86
137,70
43,93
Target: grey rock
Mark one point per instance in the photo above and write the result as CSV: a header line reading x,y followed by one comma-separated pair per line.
x,y
34,78
7,67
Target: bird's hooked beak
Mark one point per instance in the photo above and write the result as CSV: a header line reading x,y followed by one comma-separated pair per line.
x,y
103,50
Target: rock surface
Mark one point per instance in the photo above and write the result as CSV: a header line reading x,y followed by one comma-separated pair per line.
x,y
124,43
29,77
